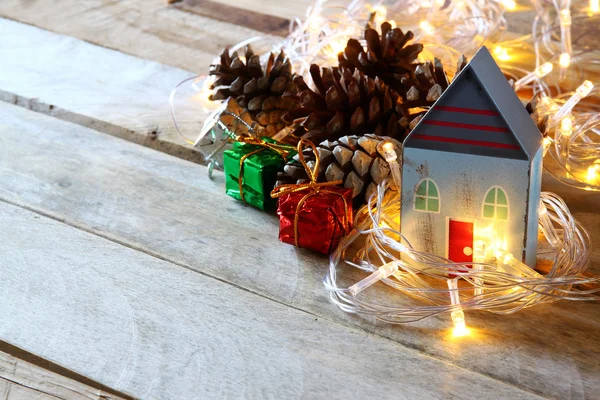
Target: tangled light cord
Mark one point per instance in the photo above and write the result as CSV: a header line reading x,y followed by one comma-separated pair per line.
x,y
568,100
432,285
449,28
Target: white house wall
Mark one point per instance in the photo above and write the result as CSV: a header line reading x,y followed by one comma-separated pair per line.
x,y
463,181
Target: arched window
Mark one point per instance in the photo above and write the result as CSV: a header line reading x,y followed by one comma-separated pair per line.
x,y
427,196
495,204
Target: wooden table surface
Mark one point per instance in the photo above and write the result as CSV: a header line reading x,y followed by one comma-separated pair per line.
x,y
127,273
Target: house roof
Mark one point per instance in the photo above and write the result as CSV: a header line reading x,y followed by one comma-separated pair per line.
x,y
479,113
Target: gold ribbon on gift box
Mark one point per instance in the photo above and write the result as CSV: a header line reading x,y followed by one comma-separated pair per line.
x,y
282,149
313,187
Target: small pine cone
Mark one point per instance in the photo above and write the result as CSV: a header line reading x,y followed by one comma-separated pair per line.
x,y
267,93
354,160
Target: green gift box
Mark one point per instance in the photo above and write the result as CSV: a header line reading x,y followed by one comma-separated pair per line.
x,y
253,169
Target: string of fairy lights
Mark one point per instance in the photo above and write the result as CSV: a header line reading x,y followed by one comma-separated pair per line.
x,y
449,28
495,281
554,61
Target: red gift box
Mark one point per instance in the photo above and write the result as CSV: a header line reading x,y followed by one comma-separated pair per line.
x,y
313,215
315,220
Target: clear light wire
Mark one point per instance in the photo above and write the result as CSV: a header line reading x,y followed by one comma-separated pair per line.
x,y
422,278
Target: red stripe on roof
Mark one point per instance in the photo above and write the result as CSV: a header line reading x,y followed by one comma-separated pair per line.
x,y
465,141
465,126
467,110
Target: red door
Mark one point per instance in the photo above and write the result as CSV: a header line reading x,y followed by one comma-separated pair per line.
x,y
460,241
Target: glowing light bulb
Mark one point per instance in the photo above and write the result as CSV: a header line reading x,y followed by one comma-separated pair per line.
x,y
460,327
388,150
335,48
594,6
546,143
458,316
509,5
593,172
543,69
380,15
314,24
584,89
426,27
564,60
566,126
501,53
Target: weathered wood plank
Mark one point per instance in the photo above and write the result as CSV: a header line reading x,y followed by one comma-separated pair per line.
x,y
169,208
21,380
95,87
145,28
248,18
152,329
283,9
122,95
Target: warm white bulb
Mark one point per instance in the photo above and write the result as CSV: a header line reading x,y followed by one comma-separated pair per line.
x,y
314,24
566,126
501,53
543,69
460,327
585,88
595,6
426,27
509,5
564,60
592,173
546,144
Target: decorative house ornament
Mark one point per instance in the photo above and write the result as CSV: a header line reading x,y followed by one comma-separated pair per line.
x,y
472,170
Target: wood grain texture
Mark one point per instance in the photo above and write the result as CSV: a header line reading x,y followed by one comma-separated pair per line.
x,y
283,9
95,87
158,331
248,18
21,380
168,208
145,28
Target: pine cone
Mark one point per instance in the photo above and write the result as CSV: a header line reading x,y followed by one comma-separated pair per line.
x,y
259,90
387,56
425,88
352,159
541,121
344,103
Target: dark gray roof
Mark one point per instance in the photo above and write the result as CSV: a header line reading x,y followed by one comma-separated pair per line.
x,y
465,120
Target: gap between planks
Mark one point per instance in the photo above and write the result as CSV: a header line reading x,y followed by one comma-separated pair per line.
x,y
280,352
36,378
184,195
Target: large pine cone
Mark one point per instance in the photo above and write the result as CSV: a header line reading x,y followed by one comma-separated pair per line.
x,y
426,87
352,159
258,89
345,102
388,56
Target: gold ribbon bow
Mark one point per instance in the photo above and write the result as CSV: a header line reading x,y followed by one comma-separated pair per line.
x,y
282,149
313,187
